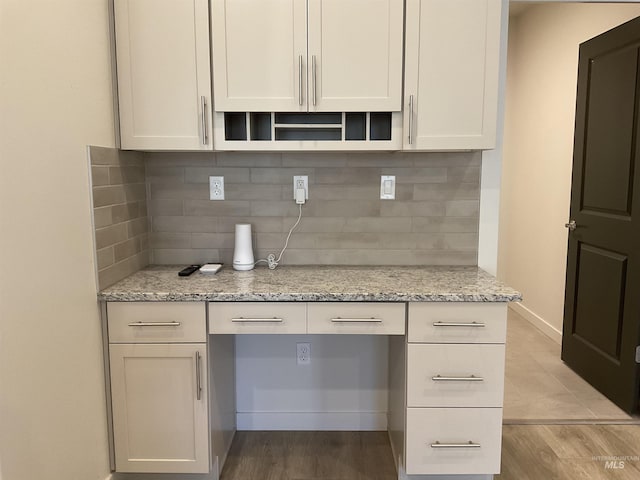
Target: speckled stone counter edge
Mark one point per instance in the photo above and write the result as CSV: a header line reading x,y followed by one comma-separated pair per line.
x,y
314,284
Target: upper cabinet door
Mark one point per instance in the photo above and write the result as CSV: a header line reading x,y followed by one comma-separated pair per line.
x,y
355,55
260,55
451,74
164,74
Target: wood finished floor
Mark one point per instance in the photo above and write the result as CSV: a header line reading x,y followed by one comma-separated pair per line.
x,y
540,388
569,452
529,452
310,456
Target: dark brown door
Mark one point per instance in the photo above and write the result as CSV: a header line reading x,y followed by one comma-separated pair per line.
x,y
602,299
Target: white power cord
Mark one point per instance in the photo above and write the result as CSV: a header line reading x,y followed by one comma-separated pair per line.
x,y
271,258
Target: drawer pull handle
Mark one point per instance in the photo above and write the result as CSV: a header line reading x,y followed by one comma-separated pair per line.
x,y
356,320
205,128
469,444
198,380
471,378
155,324
257,320
458,324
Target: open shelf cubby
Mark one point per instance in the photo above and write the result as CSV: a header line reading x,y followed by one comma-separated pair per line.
x,y
301,126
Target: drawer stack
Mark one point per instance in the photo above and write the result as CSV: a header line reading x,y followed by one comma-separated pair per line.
x,y
455,386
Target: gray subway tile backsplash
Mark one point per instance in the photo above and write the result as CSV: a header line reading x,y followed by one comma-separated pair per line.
x,y
434,219
155,207
119,213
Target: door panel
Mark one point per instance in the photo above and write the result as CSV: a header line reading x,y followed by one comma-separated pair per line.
x,y
609,136
600,295
602,305
260,53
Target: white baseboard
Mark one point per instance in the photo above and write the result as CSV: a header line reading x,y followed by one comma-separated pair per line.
x,y
164,476
336,421
549,330
404,476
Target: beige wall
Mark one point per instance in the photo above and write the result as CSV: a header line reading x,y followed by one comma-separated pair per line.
x,y
55,99
538,147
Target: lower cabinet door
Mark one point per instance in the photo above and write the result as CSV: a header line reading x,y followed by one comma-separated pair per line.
x,y
453,441
159,404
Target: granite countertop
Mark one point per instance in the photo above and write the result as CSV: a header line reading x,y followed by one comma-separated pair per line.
x,y
314,283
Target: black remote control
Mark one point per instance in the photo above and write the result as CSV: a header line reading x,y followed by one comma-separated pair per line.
x,y
185,272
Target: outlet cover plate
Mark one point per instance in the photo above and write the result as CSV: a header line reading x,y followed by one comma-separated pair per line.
x,y
305,180
303,353
216,188
388,187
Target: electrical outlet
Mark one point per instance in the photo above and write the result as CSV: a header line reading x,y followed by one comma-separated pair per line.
x,y
301,181
216,188
303,352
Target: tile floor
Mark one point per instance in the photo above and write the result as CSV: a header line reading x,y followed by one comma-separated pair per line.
x,y
540,388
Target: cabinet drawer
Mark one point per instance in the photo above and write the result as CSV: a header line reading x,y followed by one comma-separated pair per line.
x,y
438,441
451,375
156,322
457,322
257,317
356,318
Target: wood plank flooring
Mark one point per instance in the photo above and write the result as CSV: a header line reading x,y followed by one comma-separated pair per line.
x,y
569,452
310,456
529,452
540,388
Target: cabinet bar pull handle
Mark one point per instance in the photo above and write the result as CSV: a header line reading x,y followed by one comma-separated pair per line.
x,y
471,378
300,80
203,105
198,382
410,119
313,74
155,324
356,320
468,444
458,324
257,320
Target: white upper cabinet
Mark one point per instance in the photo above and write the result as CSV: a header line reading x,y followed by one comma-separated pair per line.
x,y
259,53
307,55
164,74
451,74
355,55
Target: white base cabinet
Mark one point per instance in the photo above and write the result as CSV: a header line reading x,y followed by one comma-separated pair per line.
x,y
446,379
160,407
451,397
159,371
